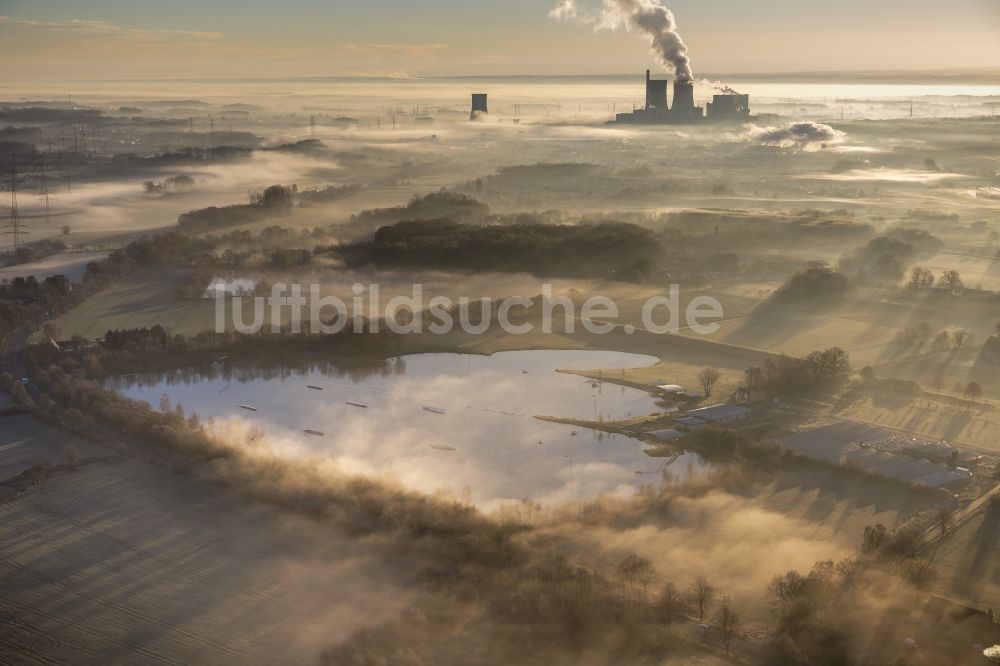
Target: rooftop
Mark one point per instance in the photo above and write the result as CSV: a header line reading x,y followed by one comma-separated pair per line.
x,y
722,412
875,450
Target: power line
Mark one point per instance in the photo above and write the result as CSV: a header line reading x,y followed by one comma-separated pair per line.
x,y
43,188
14,225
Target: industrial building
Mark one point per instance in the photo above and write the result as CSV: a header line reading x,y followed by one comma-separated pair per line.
x,y
882,452
725,413
714,414
478,105
727,106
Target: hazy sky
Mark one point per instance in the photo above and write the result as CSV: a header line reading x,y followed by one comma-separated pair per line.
x,y
101,39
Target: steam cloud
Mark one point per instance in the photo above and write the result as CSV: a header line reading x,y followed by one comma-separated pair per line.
x,y
648,16
806,134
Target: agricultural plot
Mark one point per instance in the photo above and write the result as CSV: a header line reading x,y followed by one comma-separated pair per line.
x,y
955,421
25,442
145,299
70,264
967,564
128,563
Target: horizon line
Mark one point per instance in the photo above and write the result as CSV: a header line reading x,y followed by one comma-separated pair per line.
x,y
958,75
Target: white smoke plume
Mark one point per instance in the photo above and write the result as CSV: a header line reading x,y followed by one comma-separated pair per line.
x,y
806,135
566,10
650,17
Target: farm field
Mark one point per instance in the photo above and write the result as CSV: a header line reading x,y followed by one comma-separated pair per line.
x,y
70,264
956,420
128,563
25,442
145,299
967,563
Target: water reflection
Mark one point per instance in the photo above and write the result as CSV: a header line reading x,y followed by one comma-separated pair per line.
x,y
459,423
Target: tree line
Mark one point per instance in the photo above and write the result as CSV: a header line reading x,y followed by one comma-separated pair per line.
x,y
607,250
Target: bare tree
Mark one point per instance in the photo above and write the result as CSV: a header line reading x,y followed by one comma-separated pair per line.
x,y
636,571
728,622
960,339
938,381
702,594
836,362
815,365
671,602
921,278
874,538
944,520
709,377
952,280
941,342
919,573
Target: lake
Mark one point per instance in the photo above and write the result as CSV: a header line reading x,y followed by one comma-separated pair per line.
x,y
454,423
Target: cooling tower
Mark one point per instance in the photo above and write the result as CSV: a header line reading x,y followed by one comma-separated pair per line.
x,y
656,94
683,98
478,105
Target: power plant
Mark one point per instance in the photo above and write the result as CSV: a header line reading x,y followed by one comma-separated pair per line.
x,y
728,106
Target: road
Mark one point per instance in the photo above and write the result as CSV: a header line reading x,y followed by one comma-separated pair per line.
x,y
933,533
12,348
10,358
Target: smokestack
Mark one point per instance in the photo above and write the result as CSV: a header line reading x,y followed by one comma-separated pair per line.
x,y
683,97
478,105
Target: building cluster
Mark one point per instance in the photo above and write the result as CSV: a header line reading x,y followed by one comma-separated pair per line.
x,y
885,453
726,106
699,418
